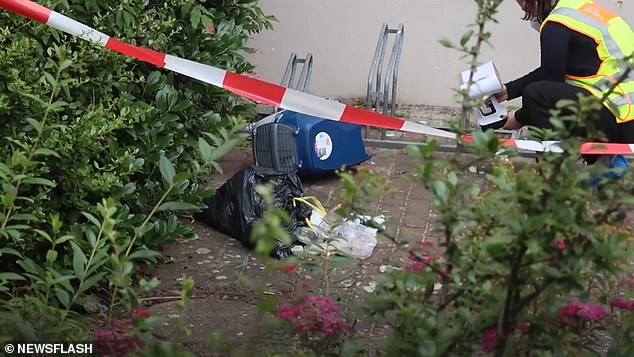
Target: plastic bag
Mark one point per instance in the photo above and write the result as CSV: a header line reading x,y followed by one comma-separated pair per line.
x,y
350,237
355,239
236,206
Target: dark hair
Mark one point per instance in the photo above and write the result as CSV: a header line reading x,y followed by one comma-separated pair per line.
x,y
537,9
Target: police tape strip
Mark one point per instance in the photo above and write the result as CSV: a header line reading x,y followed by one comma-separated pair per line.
x,y
266,92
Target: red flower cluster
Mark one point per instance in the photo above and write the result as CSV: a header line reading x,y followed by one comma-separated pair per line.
x,y
560,244
419,256
576,310
519,329
119,339
288,268
623,304
316,315
489,340
140,312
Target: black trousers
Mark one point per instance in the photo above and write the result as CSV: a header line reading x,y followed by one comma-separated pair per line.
x,y
540,97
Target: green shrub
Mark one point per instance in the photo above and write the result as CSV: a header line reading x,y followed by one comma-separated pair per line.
x,y
80,124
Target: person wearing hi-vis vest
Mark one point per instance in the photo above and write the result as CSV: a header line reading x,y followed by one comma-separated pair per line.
x,y
582,45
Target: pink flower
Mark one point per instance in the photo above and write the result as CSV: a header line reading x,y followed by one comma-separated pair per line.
x,y
560,244
568,316
324,303
489,340
316,315
420,256
288,312
416,266
577,309
623,304
523,327
592,312
519,329
289,268
140,312
442,275
119,340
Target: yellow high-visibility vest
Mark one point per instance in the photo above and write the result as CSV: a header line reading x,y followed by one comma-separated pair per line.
x,y
615,42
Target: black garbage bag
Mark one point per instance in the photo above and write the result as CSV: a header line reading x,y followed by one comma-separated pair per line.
x,y
236,206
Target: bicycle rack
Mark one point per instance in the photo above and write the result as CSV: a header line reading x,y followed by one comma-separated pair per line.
x,y
302,82
288,80
382,94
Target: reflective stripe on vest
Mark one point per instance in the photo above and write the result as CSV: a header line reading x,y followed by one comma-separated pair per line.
x,y
615,42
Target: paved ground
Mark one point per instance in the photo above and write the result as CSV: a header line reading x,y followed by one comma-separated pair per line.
x,y
216,262
222,303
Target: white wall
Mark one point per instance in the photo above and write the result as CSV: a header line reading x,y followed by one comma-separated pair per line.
x,y
342,36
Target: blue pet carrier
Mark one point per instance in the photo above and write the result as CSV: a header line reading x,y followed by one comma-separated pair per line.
x,y
289,141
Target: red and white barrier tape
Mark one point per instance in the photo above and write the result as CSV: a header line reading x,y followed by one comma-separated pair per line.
x,y
267,92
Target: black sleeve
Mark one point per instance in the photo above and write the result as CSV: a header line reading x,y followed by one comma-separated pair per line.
x,y
554,41
516,87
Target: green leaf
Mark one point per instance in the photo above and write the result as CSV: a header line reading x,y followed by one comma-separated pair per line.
x,y
267,304
24,217
62,296
92,237
446,43
79,260
50,79
45,152
195,16
182,105
35,98
58,104
166,98
153,78
167,169
145,254
223,149
43,234
10,251
453,178
128,188
39,181
63,239
428,348
465,38
9,195
205,148
464,313
10,276
128,18
51,256
216,167
65,64
35,124
63,280
440,188
177,206
91,281
5,169
180,178
92,219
